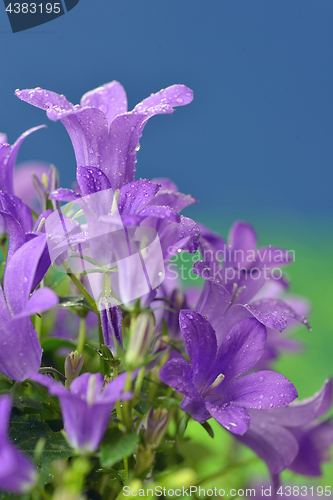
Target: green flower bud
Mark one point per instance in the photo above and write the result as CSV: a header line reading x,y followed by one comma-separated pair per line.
x,y
141,336
73,365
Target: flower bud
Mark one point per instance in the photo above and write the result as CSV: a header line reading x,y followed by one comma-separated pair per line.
x,y
157,423
141,336
73,365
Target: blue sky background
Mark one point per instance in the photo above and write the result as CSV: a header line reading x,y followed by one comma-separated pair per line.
x,y
257,138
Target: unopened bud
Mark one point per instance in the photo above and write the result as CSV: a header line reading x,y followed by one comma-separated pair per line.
x,y
141,336
157,423
73,365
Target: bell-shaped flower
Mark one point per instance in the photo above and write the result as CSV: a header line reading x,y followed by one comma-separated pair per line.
x,y
104,134
215,382
20,350
86,406
228,290
293,436
17,472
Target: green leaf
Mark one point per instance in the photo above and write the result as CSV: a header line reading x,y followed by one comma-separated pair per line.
x,y
22,402
117,446
53,343
142,407
76,301
182,426
165,446
26,430
170,402
208,429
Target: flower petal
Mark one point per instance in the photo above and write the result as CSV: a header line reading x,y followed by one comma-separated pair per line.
x,y
22,268
200,343
109,98
234,418
274,444
91,180
240,350
264,389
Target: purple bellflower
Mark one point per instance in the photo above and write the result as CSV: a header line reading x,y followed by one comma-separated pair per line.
x,y
104,134
20,352
17,473
86,406
229,288
293,436
215,383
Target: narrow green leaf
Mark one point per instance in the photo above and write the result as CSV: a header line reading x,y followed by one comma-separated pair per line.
x,y
208,429
116,447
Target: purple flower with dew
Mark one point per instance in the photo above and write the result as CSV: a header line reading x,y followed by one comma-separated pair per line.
x,y
8,155
17,472
293,436
215,383
21,353
86,406
13,211
104,134
225,294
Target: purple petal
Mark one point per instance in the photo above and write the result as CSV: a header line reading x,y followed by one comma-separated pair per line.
x,y
234,418
213,302
17,209
5,409
135,196
273,313
91,180
20,353
274,444
240,351
200,343
265,389
53,387
22,268
243,241
7,170
43,215
64,195
15,232
112,322
42,300
109,98
176,95
302,412
88,131
166,184
177,201
160,212
177,373
44,99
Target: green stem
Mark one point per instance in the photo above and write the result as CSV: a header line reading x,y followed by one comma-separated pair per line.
x,y
138,383
38,325
82,336
126,468
4,248
81,288
127,409
119,409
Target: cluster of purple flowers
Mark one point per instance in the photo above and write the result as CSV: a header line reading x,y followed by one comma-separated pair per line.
x,y
213,346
